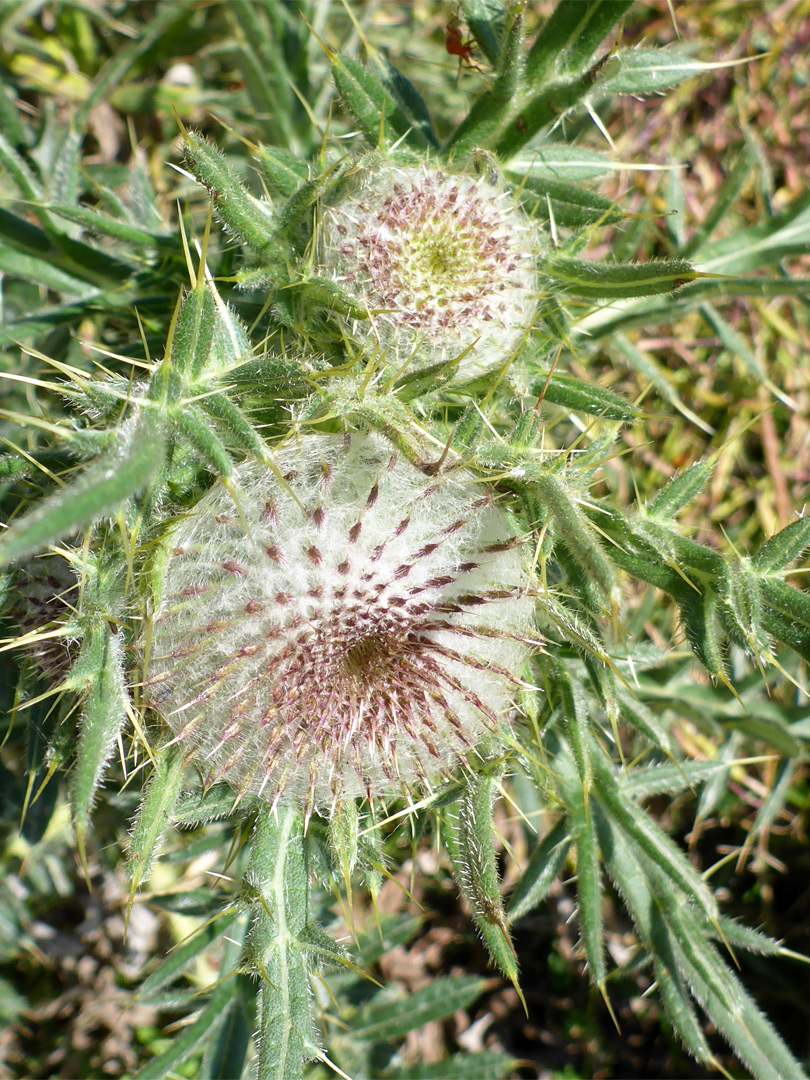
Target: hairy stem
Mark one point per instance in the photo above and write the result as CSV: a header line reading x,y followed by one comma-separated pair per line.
x,y
277,883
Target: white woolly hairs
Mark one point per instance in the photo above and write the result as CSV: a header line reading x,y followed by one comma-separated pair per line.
x,y
353,629
444,262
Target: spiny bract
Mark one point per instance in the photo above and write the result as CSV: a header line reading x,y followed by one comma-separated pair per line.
x,y
354,629
444,263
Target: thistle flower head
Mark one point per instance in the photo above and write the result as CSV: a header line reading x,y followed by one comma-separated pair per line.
x,y
444,263
354,629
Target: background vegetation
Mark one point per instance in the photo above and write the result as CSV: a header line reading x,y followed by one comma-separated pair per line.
x,y
92,98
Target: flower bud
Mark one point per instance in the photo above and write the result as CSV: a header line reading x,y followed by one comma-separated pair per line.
x,y
445,264
353,629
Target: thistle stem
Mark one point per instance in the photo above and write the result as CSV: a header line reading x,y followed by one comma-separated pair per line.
x,y
277,884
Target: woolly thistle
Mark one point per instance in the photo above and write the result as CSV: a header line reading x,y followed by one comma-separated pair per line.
x,y
353,629
445,264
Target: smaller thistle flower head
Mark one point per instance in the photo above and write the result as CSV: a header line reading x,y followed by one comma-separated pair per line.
x,y
354,629
444,262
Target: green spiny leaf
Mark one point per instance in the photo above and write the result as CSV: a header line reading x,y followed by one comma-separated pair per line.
x,y
742,610
100,490
643,718
483,1065
487,22
409,101
783,547
154,816
595,23
183,1044
558,162
276,950
194,330
469,841
650,71
186,953
671,779
580,396
484,124
250,220
651,840
680,490
99,667
105,225
371,105
597,280
568,204
226,1052
544,110
544,865
673,988
284,171
200,807
572,706
699,614
786,613
393,1015
576,534
195,426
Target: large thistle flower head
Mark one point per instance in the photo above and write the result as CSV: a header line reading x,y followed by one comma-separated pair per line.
x,y
444,262
354,628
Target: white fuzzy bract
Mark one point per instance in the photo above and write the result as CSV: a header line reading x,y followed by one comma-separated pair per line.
x,y
353,629
445,264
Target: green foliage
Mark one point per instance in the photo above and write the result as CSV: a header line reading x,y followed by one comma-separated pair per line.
x,y
149,358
